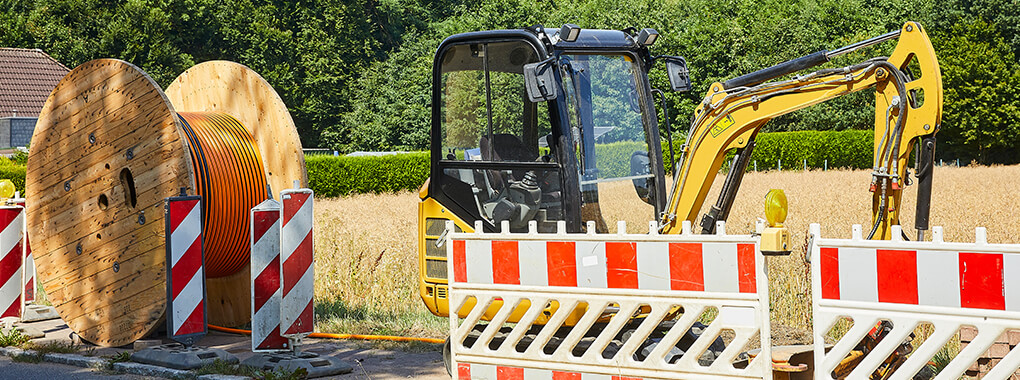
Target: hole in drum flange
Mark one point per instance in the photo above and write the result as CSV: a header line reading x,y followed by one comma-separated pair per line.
x,y
107,166
103,202
99,236
128,181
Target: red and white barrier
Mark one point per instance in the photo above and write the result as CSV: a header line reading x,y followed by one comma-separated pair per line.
x,y
467,371
566,283
29,266
265,277
946,284
186,317
11,256
297,265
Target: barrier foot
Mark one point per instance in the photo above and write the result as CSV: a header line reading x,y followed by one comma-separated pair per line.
x,y
179,357
35,313
317,366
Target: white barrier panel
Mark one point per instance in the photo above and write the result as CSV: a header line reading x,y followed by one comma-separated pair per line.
x,y
265,277
11,256
186,314
297,265
948,285
612,306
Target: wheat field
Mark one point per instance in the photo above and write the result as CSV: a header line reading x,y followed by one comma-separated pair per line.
x,y
366,257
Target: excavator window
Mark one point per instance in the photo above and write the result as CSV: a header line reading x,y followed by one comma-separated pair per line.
x,y
497,162
608,105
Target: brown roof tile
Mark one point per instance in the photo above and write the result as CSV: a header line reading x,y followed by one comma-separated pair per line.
x,y
27,76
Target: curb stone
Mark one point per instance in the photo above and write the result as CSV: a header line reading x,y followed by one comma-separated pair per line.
x,y
125,367
151,370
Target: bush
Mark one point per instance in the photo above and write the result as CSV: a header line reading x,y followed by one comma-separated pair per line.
x,y
14,172
842,149
331,176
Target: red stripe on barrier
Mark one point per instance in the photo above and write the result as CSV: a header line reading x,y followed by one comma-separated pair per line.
x,y
464,371
300,199
297,264
747,279
10,264
303,321
195,322
509,373
621,265
981,281
897,276
267,282
274,340
459,262
686,269
263,222
13,311
506,266
186,268
179,210
561,263
829,263
557,375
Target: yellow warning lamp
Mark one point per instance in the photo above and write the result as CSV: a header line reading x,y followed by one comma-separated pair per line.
x,y
775,207
775,239
6,189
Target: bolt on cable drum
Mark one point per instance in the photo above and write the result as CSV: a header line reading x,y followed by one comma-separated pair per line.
x,y
110,145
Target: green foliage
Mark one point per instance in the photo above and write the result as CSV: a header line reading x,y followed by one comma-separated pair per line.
x,y
845,149
332,176
12,337
613,159
14,171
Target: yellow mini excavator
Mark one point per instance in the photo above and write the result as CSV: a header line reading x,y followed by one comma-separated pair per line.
x,y
540,124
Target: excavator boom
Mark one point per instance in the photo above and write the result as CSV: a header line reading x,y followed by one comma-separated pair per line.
x,y
908,109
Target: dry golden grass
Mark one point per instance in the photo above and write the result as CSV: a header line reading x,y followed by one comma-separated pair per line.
x,y
367,260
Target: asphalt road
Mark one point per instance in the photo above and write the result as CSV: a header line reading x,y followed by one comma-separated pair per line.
x,y
52,371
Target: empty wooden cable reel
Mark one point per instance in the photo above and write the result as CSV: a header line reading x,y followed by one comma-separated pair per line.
x,y
109,146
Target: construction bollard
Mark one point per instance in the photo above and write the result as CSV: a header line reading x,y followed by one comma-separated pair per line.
x,y
11,256
296,264
186,316
292,291
265,278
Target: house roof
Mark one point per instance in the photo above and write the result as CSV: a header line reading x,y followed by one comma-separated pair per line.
x,y
27,76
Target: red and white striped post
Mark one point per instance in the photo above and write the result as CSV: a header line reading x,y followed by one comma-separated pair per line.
x,y
29,265
11,256
186,317
297,266
265,277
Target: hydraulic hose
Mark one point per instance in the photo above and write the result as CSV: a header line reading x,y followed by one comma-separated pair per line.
x,y
231,180
342,336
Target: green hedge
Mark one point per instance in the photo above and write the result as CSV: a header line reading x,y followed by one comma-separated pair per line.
x,y
331,176
842,149
13,171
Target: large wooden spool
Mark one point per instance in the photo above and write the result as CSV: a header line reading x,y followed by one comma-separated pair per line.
x,y
107,149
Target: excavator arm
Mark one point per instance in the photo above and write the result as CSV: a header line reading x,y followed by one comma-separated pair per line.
x,y
908,110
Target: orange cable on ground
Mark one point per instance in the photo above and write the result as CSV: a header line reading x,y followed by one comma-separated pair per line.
x,y
231,180
341,336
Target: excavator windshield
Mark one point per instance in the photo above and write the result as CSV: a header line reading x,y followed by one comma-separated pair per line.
x,y
606,100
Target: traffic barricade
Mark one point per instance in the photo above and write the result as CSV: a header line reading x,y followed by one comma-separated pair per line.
x,y
889,288
613,306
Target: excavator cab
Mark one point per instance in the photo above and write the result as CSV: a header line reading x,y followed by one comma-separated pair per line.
x,y
543,125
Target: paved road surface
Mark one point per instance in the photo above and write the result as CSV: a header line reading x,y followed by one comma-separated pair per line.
x,y
51,371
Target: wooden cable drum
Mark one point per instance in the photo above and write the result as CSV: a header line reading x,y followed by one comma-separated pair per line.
x,y
109,146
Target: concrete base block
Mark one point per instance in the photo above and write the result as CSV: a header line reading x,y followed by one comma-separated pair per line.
x,y
178,357
30,331
35,313
317,366
142,344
